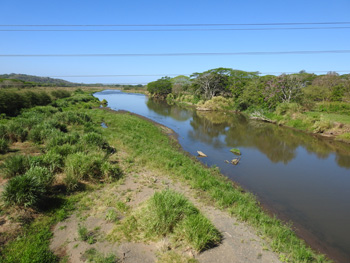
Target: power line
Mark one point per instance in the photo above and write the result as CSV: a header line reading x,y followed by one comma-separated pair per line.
x,y
172,30
182,25
173,74
301,52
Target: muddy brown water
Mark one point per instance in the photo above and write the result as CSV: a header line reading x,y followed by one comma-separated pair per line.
x,y
299,177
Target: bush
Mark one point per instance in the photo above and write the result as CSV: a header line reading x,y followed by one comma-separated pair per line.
x,y
50,160
110,171
81,166
59,94
4,145
94,139
16,132
287,108
169,212
60,138
72,117
16,165
322,125
217,103
66,149
43,175
26,190
3,132
40,132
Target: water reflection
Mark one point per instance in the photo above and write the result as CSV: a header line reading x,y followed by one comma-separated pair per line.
x,y
164,109
304,178
277,143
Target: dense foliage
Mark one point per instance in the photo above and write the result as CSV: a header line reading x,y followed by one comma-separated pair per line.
x,y
160,88
249,90
12,102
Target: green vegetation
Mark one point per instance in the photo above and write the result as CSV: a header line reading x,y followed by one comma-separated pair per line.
x,y
168,212
135,133
16,165
302,100
12,102
36,181
92,255
160,88
85,235
236,151
76,152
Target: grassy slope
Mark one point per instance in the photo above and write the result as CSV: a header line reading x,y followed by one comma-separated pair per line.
x,y
150,147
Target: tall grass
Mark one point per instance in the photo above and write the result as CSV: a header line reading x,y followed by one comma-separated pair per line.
x,y
16,165
29,189
168,213
89,167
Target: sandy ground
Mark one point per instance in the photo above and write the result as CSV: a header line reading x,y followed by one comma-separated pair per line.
x,y
240,242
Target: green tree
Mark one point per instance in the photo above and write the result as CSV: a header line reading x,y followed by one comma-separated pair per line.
x,y
160,88
211,83
180,84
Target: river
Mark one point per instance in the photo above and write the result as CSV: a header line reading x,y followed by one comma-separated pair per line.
x,y
299,177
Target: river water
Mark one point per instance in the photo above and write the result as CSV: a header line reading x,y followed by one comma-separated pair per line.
x,y
301,178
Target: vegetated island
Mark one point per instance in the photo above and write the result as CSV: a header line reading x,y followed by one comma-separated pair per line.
x,y
74,190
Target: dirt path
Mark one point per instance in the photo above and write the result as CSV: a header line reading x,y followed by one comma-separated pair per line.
x,y
240,243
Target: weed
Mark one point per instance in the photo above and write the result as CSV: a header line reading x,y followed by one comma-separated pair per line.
x,y
85,235
112,215
92,255
173,257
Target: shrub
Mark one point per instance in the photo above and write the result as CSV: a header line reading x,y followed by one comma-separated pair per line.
x,y
287,108
40,132
3,132
94,139
110,171
59,94
90,127
4,145
66,149
322,125
25,190
168,212
81,166
43,175
218,103
16,132
45,110
60,138
16,165
50,160
198,231
72,117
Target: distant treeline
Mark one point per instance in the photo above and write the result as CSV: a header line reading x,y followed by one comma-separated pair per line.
x,y
26,81
11,103
249,89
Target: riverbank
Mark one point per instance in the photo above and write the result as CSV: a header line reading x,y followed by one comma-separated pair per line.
x,y
151,161
210,184
323,121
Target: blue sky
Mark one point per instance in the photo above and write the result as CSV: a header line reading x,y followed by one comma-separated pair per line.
x,y
170,12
